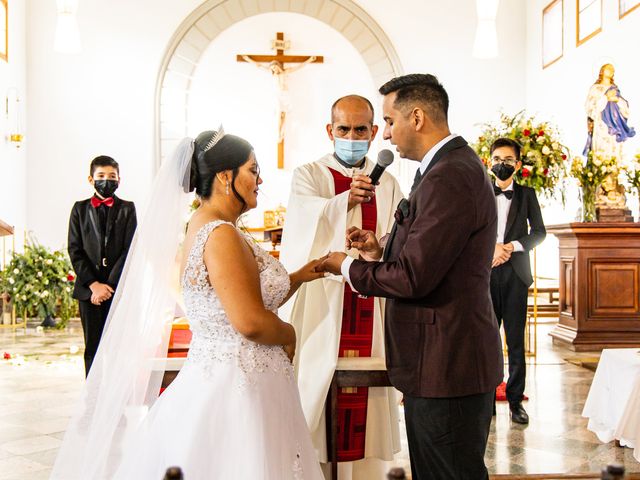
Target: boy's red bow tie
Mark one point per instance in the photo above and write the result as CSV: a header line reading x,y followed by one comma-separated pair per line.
x,y
96,202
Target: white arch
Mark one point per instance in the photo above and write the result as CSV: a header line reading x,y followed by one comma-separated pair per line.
x,y
207,21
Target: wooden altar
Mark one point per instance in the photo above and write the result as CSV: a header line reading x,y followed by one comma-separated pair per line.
x,y
599,305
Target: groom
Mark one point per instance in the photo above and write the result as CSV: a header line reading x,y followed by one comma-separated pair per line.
x,y
442,344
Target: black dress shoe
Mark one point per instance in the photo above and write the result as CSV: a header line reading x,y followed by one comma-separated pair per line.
x,y
519,414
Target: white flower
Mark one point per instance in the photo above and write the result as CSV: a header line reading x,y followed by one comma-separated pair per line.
x,y
11,281
24,297
485,148
597,162
39,274
540,139
16,271
603,169
49,261
555,145
45,293
63,279
46,281
546,150
589,174
68,289
530,154
73,349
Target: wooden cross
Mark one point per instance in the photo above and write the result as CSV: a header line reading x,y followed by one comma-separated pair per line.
x,y
276,65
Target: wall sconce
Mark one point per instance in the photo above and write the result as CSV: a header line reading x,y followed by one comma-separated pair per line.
x,y
67,38
12,113
486,42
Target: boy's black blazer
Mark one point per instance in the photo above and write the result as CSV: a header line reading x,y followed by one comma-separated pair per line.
x,y
97,255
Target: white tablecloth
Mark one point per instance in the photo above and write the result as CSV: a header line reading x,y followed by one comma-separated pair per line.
x,y
613,403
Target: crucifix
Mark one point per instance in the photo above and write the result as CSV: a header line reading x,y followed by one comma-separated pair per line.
x,y
276,65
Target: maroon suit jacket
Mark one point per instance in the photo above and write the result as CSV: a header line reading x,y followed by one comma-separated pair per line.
x,y
441,335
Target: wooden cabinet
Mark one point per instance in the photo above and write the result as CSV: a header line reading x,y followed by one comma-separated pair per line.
x,y
599,304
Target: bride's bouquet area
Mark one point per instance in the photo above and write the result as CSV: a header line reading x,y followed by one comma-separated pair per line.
x,y
543,155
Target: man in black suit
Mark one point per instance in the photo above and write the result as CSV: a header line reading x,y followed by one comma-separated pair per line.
x,y
100,232
520,228
443,348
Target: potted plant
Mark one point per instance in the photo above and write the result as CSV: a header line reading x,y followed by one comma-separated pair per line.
x,y
633,174
544,157
40,283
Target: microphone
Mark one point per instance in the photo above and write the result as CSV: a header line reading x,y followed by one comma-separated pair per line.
x,y
385,158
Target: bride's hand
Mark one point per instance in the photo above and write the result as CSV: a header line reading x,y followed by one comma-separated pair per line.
x,y
311,271
290,350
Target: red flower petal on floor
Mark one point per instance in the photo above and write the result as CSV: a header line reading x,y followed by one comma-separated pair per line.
x,y
7,356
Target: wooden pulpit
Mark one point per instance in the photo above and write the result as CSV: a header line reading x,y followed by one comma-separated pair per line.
x,y
599,304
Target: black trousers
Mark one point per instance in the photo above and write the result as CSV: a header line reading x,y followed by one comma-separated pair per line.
x,y
509,296
448,436
93,317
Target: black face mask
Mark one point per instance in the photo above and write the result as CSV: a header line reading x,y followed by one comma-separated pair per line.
x,y
503,171
106,188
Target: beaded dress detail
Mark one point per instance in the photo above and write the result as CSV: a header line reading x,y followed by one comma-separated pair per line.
x,y
234,409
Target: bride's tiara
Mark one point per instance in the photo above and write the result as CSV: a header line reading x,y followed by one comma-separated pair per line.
x,y
217,136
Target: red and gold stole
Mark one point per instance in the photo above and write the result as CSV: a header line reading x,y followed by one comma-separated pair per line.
x,y
355,341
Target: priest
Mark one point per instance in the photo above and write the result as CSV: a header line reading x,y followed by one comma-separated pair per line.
x,y
331,320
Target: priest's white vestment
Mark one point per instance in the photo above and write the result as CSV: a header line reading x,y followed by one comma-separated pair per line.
x,y
316,222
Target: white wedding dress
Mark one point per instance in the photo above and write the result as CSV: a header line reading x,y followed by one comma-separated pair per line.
x,y
233,411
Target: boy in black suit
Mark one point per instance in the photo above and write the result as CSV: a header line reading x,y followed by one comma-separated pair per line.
x,y
100,232
520,228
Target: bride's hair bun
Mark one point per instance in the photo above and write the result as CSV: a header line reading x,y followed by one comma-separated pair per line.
x,y
228,153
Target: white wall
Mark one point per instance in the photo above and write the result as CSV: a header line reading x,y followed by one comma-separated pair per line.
x,y
245,97
13,160
558,92
101,101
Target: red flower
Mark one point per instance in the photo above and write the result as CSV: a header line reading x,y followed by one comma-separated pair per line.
x,y
526,132
564,157
545,172
70,278
541,133
525,172
7,356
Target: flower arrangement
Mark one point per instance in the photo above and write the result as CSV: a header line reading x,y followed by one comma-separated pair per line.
x,y
544,157
590,173
40,283
633,174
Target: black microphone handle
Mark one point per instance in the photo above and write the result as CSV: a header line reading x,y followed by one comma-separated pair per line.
x,y
376,173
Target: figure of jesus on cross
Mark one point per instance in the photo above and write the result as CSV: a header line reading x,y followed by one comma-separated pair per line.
x,y
276,65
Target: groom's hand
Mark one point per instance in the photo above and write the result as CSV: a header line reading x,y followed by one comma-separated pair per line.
x,y
365,242
333,262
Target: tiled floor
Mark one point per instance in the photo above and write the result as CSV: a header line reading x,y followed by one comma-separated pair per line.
x,y
39,387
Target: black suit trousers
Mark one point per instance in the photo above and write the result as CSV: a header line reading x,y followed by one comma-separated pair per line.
x,y
509,295
448,436
93,318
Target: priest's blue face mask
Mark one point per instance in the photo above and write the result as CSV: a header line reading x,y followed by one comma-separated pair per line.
x,y
351,151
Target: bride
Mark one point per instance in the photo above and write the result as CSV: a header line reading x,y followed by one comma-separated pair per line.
x,y
233,411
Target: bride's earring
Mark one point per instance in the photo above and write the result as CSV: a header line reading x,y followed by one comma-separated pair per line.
x,y
227,189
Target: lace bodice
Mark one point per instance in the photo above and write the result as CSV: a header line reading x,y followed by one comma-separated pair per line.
x,y
214,338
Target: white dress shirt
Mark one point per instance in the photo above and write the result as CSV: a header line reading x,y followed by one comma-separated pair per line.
x,y
426,160
503,204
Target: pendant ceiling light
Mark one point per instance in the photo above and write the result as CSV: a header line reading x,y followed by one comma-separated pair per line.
x,y
486,42
67,33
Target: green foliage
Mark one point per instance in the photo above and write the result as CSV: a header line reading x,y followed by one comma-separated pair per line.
x,y
40,283
592,171
633,174
544,157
